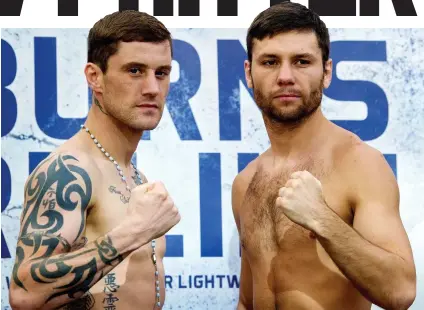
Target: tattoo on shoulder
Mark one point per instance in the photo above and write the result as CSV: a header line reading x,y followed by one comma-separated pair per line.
x,y
123,198
63,187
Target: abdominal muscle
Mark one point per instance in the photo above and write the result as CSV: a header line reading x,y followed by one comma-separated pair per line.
x,y
292,281
130,285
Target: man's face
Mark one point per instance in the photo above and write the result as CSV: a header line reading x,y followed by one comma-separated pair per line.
x,y
287,76
136,83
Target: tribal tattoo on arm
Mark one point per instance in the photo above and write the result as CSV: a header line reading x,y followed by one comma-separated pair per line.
x,y
86,302
52,256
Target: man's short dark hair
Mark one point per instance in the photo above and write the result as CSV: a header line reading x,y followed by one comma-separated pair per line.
x,y
284,17
124,26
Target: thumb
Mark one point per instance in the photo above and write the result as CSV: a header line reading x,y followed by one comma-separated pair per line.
x,y
279,202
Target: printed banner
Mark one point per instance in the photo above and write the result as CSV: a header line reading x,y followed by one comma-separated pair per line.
x,y
210,130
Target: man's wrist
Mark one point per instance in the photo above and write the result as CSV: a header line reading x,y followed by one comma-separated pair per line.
x,y
321,226
127,238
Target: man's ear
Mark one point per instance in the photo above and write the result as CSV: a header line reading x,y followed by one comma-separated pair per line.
x,y
328,73
248,73
94,77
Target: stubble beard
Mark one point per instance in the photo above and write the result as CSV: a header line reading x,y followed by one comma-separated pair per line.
x,y
124,118
289,118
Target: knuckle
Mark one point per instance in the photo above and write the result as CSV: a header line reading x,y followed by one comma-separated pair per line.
x,y
161,195
278,201
174,210
289,193
283,202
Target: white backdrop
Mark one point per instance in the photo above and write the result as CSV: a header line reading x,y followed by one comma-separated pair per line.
x,y
211,129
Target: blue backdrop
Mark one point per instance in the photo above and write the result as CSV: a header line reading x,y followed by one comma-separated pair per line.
x,y
212,125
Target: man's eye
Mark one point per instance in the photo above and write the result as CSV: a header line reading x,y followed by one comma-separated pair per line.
x,y
269,62
134,70
162,73
303,62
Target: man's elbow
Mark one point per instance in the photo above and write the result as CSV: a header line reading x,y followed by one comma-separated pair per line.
x,y
403,294
21,300
244,304
404,297
241,306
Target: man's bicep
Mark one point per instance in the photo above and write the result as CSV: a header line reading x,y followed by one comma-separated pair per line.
x,y
377,217
383,227
57,196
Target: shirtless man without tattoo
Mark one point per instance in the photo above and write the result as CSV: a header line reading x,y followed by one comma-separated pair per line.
x,y
318,212
92,228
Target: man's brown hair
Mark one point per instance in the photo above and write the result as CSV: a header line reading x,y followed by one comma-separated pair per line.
x,y
124,26
284,17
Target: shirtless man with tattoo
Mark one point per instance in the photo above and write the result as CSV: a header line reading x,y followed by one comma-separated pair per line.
x,y
92,228
317,212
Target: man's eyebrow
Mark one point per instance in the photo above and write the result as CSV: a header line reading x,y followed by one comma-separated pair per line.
x,y
299,55
144,66
165,67
305,55
134,64
268,55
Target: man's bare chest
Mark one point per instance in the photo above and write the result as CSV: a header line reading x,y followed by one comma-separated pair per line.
x,y
265,228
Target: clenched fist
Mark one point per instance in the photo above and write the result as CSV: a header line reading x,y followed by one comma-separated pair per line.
x,y
301,200
152,210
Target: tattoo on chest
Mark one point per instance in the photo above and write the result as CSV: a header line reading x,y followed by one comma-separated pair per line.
x,y
123,198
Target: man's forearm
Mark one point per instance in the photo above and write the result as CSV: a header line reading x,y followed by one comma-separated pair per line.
x,y
368,266
55,280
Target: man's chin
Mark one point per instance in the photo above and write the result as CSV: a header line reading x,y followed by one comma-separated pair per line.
x,y
145,126
286,117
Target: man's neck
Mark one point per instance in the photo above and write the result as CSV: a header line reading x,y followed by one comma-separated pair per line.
x,y
118,140
293,140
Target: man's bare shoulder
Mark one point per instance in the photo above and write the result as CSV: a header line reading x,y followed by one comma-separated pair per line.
x,y
244,177
73,156
356,156
364,168
66,165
